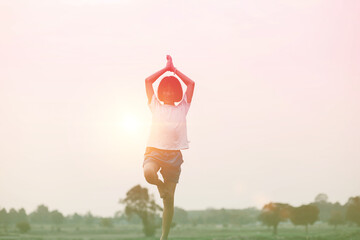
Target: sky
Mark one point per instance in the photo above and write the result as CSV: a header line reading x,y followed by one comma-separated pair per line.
x,y
275,114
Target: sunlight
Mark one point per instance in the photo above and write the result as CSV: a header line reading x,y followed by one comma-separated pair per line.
x,y
261,200
130,123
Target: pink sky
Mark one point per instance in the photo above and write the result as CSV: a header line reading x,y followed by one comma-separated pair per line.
x,y
275,114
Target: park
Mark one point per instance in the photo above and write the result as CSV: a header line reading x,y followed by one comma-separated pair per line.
x,y
179,119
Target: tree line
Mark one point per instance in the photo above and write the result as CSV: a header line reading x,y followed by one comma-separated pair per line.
x,y
141,208
139,203
320,210
43,216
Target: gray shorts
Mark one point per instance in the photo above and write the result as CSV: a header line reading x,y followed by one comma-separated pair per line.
x,y
169,161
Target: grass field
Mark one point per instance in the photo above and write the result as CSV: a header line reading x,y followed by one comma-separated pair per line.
x,y
184,232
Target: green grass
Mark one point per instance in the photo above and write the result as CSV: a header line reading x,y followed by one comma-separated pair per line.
x,y
185,232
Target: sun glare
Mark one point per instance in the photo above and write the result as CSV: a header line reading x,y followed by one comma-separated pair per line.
x,y
130,123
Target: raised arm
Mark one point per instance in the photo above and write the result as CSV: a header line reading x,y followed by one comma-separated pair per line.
x,y
190,84
150,80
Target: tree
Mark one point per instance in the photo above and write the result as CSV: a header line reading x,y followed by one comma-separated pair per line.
x,y
12,216
57,218
180,215
336,218
22,217
321,197
244,216
353,210
76,218
41,214
106,222
4,220
139,202
304,215
89,218
273,213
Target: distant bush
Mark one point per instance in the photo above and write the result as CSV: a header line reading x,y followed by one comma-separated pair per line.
x,y
222,216
106,222
23,226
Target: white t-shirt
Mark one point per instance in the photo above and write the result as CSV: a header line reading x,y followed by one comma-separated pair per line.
x,y
168,128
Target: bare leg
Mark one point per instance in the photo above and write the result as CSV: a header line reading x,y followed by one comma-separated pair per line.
x,y
150,173
168,212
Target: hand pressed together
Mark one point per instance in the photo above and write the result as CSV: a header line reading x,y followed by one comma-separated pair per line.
x,y
169,65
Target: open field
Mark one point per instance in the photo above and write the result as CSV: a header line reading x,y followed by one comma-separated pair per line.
x,y
184,232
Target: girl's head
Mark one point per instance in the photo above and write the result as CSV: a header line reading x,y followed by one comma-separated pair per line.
x,y
170,90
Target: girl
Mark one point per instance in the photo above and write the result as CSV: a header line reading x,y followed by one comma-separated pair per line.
x,y
167,137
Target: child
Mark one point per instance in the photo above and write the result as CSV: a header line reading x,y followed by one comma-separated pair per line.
x,y
167,137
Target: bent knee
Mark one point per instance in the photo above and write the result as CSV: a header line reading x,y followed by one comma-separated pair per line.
x,y
150,175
